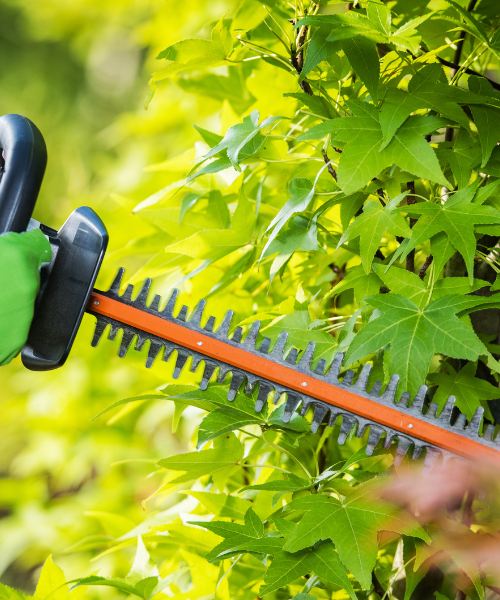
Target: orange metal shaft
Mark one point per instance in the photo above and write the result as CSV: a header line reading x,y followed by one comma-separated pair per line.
x,y
260,366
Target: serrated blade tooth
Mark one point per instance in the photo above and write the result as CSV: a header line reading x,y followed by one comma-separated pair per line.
x,y
489,432
168,311
320,367
127,294
320,411
433,408
155,304
143,294
251,337
403,446
307,356
181,360
141,340
417,451
225,326
210,324
475,422
100,327
376,433
265,346
345,429
236,337
362,380
127,338
348,377
460,422
207,374
389,394
237,379
279,347
306,403
115,286
332,376
250,384
154,349
182,313
404,400
292,402
224,370
292,356
264,391
431,458
113,331
418,401
447,411
377,387
198,313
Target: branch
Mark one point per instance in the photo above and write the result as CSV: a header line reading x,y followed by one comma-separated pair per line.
x,y
448,137
425,266
377,586
297,60
410,259
331,170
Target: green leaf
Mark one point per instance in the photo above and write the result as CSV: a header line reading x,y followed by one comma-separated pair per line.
x,y
240,135
52,583
413,578
371,226
487,120
474,26
143,567
323,561
301,192
8,593
403,282
222,459
317,104
222,505
194,52
361,160
457,218
415,335
217,243
363,285
318,50
363,57
352,525
467,389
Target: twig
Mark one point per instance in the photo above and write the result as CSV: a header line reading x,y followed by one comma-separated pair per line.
x,y
377,586
410,199
425,266
331,170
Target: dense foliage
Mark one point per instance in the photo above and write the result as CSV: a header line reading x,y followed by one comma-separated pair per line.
x,y
342,183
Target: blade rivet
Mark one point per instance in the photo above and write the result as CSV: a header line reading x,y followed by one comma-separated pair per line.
x,y
304,384
410,425
200,343
96,302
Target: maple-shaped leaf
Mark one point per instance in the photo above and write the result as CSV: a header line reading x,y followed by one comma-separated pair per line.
x,y
352,525
322,560
362,160
416,334
467,389
371,226
426,89
457,218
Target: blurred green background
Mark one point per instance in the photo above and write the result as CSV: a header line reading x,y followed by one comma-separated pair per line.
x,y
79,70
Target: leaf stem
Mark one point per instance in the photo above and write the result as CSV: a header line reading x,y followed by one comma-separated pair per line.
x,y
294,458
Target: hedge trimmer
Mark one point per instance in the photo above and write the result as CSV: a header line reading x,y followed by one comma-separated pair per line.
x,y
67,292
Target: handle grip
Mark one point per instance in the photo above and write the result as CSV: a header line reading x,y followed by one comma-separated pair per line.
x,y
22,171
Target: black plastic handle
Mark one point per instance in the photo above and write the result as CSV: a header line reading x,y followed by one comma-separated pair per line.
x,y
22,172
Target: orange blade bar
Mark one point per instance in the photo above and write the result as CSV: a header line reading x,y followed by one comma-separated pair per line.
x,y
262,367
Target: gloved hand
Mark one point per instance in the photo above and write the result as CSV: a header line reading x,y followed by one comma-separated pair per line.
x,y
21,255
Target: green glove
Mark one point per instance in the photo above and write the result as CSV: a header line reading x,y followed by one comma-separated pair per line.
x,y
21,255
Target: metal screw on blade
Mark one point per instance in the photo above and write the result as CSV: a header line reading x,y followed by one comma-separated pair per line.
x,y
96,302
200,343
